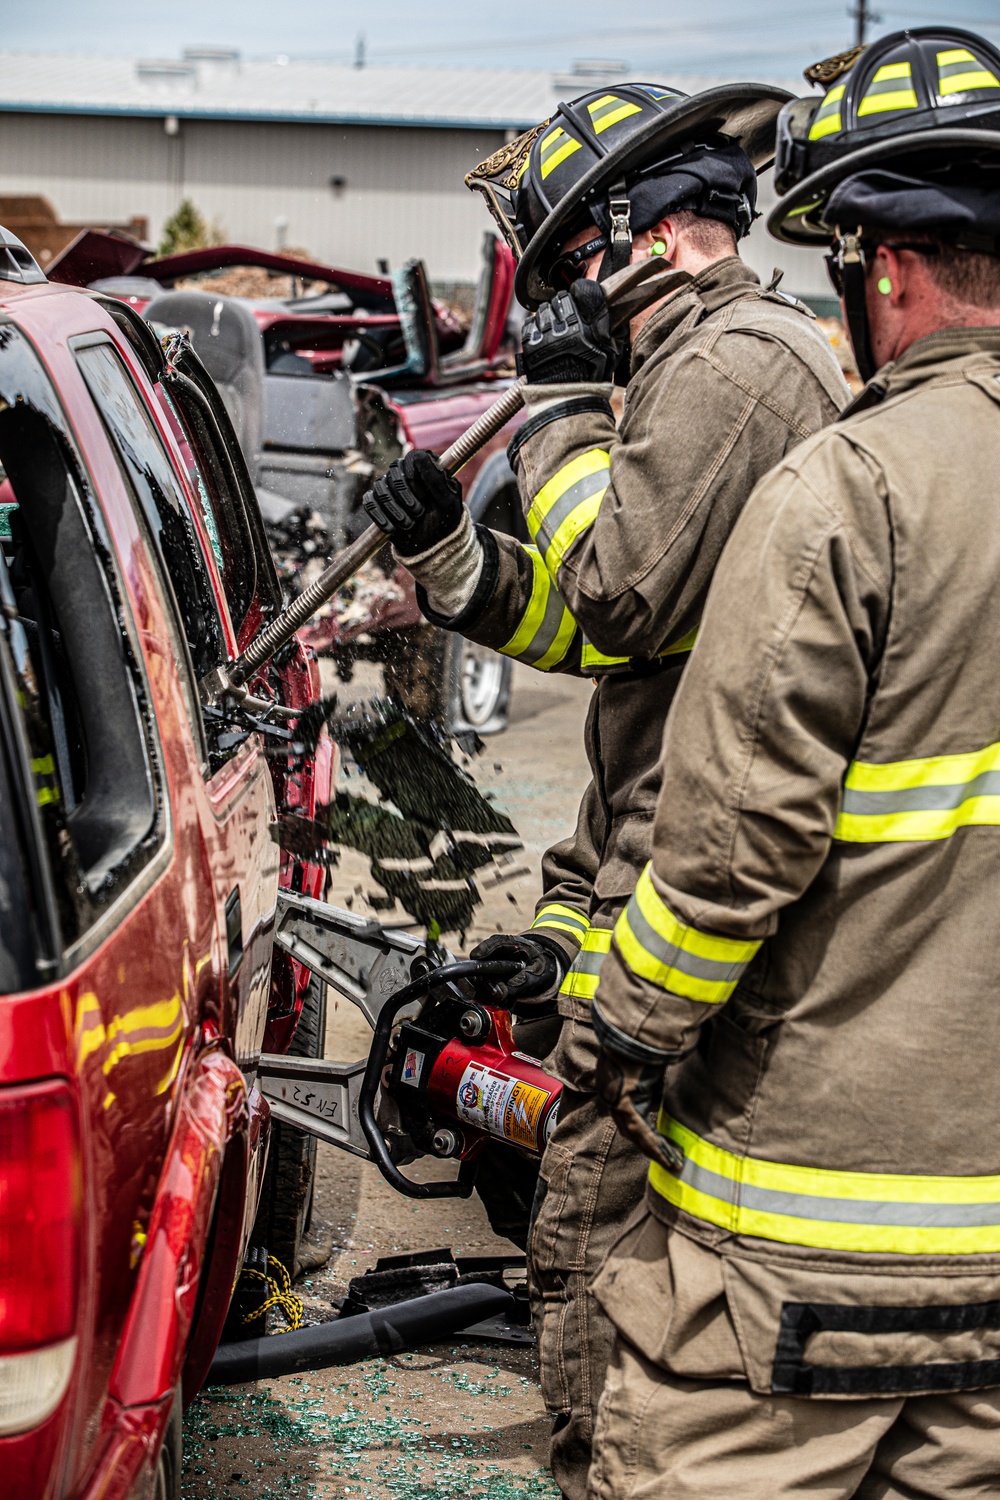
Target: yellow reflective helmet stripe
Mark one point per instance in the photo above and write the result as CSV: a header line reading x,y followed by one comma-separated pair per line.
x,y
564,919
821,1209
960,72
675,956
567,505
907,800
582,980
826,120
891,88
554,150
546,628
602,116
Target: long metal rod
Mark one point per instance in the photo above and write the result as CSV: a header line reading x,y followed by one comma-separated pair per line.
x,y
628,292
354,556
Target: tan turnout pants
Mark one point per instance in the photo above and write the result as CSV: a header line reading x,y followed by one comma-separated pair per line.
x,y
591,1180
660,1437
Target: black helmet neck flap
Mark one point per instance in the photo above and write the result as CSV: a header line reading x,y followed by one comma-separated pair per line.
x,y
617,160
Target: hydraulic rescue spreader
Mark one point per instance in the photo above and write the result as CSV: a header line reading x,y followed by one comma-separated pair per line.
x,y
444,1073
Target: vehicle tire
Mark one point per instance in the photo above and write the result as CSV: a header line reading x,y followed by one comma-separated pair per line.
x,y
443,679
286,1198
167,1476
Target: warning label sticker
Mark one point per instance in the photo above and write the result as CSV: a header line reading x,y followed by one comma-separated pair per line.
x,y
506,1107
413,1066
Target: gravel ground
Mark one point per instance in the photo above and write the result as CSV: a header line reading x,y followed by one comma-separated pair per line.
x,y
458,1419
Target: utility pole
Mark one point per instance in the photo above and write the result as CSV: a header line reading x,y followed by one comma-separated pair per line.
x,y
359,50
864,18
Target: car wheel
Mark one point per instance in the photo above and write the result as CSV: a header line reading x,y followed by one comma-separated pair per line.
x,y
286,1198
479,688
441,678
167,1478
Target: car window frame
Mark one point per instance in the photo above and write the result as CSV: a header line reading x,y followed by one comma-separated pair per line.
x,y
75,952
164,582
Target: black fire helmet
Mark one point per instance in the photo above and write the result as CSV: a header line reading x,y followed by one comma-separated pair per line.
x,y
618,159
907,135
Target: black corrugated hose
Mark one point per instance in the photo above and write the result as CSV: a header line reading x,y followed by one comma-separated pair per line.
x,y
344,1341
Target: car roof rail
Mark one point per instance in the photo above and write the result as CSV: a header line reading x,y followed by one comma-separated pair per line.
x,y
17,262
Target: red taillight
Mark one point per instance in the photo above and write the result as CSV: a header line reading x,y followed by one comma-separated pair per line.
x,y
39,1215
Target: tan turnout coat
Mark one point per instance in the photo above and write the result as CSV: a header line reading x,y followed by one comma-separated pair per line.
x,y
821,920
628,526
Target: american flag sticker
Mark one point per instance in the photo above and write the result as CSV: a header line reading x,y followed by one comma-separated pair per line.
x,y
413,1066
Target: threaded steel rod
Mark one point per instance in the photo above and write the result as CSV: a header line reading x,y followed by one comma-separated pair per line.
x,y
354,556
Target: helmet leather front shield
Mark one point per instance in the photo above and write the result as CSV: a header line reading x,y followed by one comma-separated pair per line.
x,y
497,178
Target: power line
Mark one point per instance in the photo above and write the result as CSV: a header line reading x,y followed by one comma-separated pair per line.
x,y
864,18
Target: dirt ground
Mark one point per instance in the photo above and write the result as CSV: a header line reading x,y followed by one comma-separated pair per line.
x,y
462,1418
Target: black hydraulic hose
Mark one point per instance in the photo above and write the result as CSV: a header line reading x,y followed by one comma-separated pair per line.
x,y
344,1341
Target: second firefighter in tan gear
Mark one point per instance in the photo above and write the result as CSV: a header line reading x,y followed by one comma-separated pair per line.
x,y
811,1301
626,526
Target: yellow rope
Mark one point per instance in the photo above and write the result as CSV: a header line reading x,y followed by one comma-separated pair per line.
x,y
281,1295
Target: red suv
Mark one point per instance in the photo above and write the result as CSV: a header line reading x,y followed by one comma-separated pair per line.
x,y
138,884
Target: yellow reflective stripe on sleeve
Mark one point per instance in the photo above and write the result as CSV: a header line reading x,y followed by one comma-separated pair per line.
x,y
609,110
582,980
907,800
891,88
568,504
546,628
563,918
554,150
821,1209
590,657
960,72
674,956
685,643
826,120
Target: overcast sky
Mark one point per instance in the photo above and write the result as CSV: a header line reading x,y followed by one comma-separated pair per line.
x,y
654,38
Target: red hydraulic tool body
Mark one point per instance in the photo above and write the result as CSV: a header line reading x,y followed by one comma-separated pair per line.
x,y
444,1073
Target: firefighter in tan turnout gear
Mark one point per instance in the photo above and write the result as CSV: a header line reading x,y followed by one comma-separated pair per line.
x,y
810,1301
724,378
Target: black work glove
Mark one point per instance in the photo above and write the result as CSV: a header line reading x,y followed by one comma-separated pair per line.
x,y
415,502
544,966
632,1088
569,338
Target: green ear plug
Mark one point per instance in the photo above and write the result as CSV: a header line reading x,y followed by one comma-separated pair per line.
x,y
884,285
657,248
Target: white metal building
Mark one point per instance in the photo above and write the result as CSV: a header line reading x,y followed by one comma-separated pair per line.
x,y
354,164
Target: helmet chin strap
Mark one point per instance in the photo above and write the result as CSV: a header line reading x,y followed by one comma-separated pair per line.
x,y
852,270
616,257
619,251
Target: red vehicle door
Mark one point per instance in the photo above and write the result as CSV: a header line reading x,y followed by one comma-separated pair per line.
x,y
148,880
